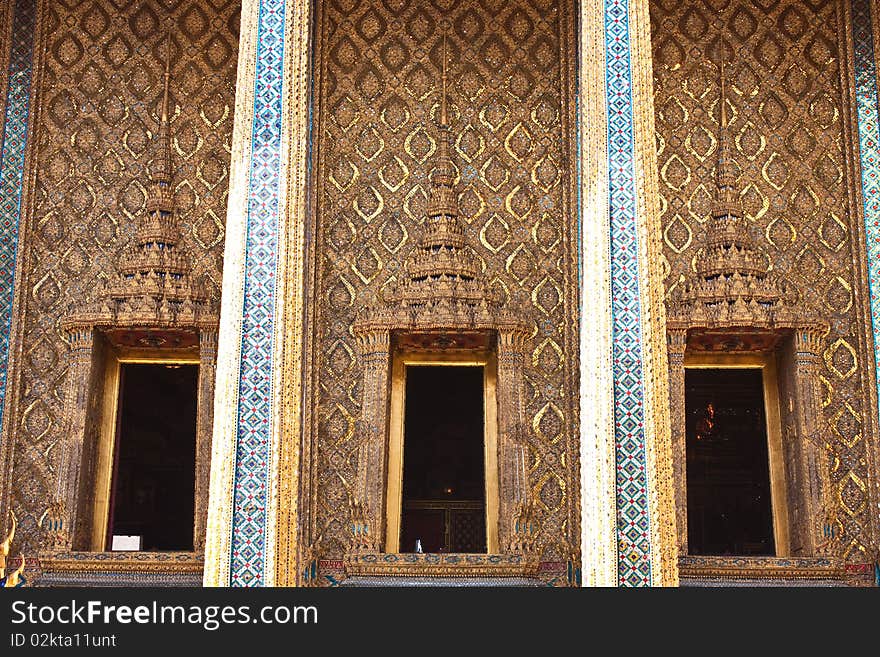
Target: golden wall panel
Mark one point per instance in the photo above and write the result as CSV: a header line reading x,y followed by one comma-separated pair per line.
x,y
100,90
788,110
511,94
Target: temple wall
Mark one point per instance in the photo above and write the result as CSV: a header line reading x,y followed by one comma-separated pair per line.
x,y
512,103
791,127
375,95
99,91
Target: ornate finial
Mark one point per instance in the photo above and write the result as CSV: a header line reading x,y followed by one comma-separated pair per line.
x,y
723,92
162,173
6,545
726,198
167,76
444,173
442,226
733,285
444,121
160,226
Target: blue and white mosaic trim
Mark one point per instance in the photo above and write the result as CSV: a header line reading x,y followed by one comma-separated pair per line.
x,y
248,563
633,527
869,151
12,153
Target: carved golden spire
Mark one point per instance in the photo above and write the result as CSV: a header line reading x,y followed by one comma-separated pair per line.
x,y
442,201
159,226
161,198
727,202
444,122
162,173
730,254
441,267
158,233
733,284
441,285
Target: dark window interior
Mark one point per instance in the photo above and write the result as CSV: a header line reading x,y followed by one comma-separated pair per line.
x,y
153,489
444,498
728,474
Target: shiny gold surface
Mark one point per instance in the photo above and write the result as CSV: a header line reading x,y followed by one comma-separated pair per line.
x,y
514,143
98,75
596,403
219,523
283,546
658,447
121,562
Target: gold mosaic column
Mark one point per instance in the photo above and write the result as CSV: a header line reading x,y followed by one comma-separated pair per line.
x,y
815,498
512,445
375,346
656,368
625,426
254,488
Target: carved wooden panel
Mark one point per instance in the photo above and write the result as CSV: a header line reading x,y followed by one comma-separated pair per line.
x,y
98,102
788,113
511,94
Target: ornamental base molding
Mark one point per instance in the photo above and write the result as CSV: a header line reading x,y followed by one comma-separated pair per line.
x,y
441,565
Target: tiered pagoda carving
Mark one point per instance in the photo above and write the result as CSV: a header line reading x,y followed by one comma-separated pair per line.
x,y
154,290
733,288
442,287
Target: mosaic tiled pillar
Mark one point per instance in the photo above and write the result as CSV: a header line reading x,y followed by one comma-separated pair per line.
x,y
628,509
251,539
868,117
13,147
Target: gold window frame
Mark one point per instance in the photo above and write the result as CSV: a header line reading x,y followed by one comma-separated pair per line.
x,y
116,358
394,494
766,362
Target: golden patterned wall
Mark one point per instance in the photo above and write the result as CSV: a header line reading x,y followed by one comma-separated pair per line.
x,y
5,34
511,94
98,97
789,119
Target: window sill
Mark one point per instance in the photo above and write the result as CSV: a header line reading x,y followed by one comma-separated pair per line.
x,y
381,564
760,571
121,569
